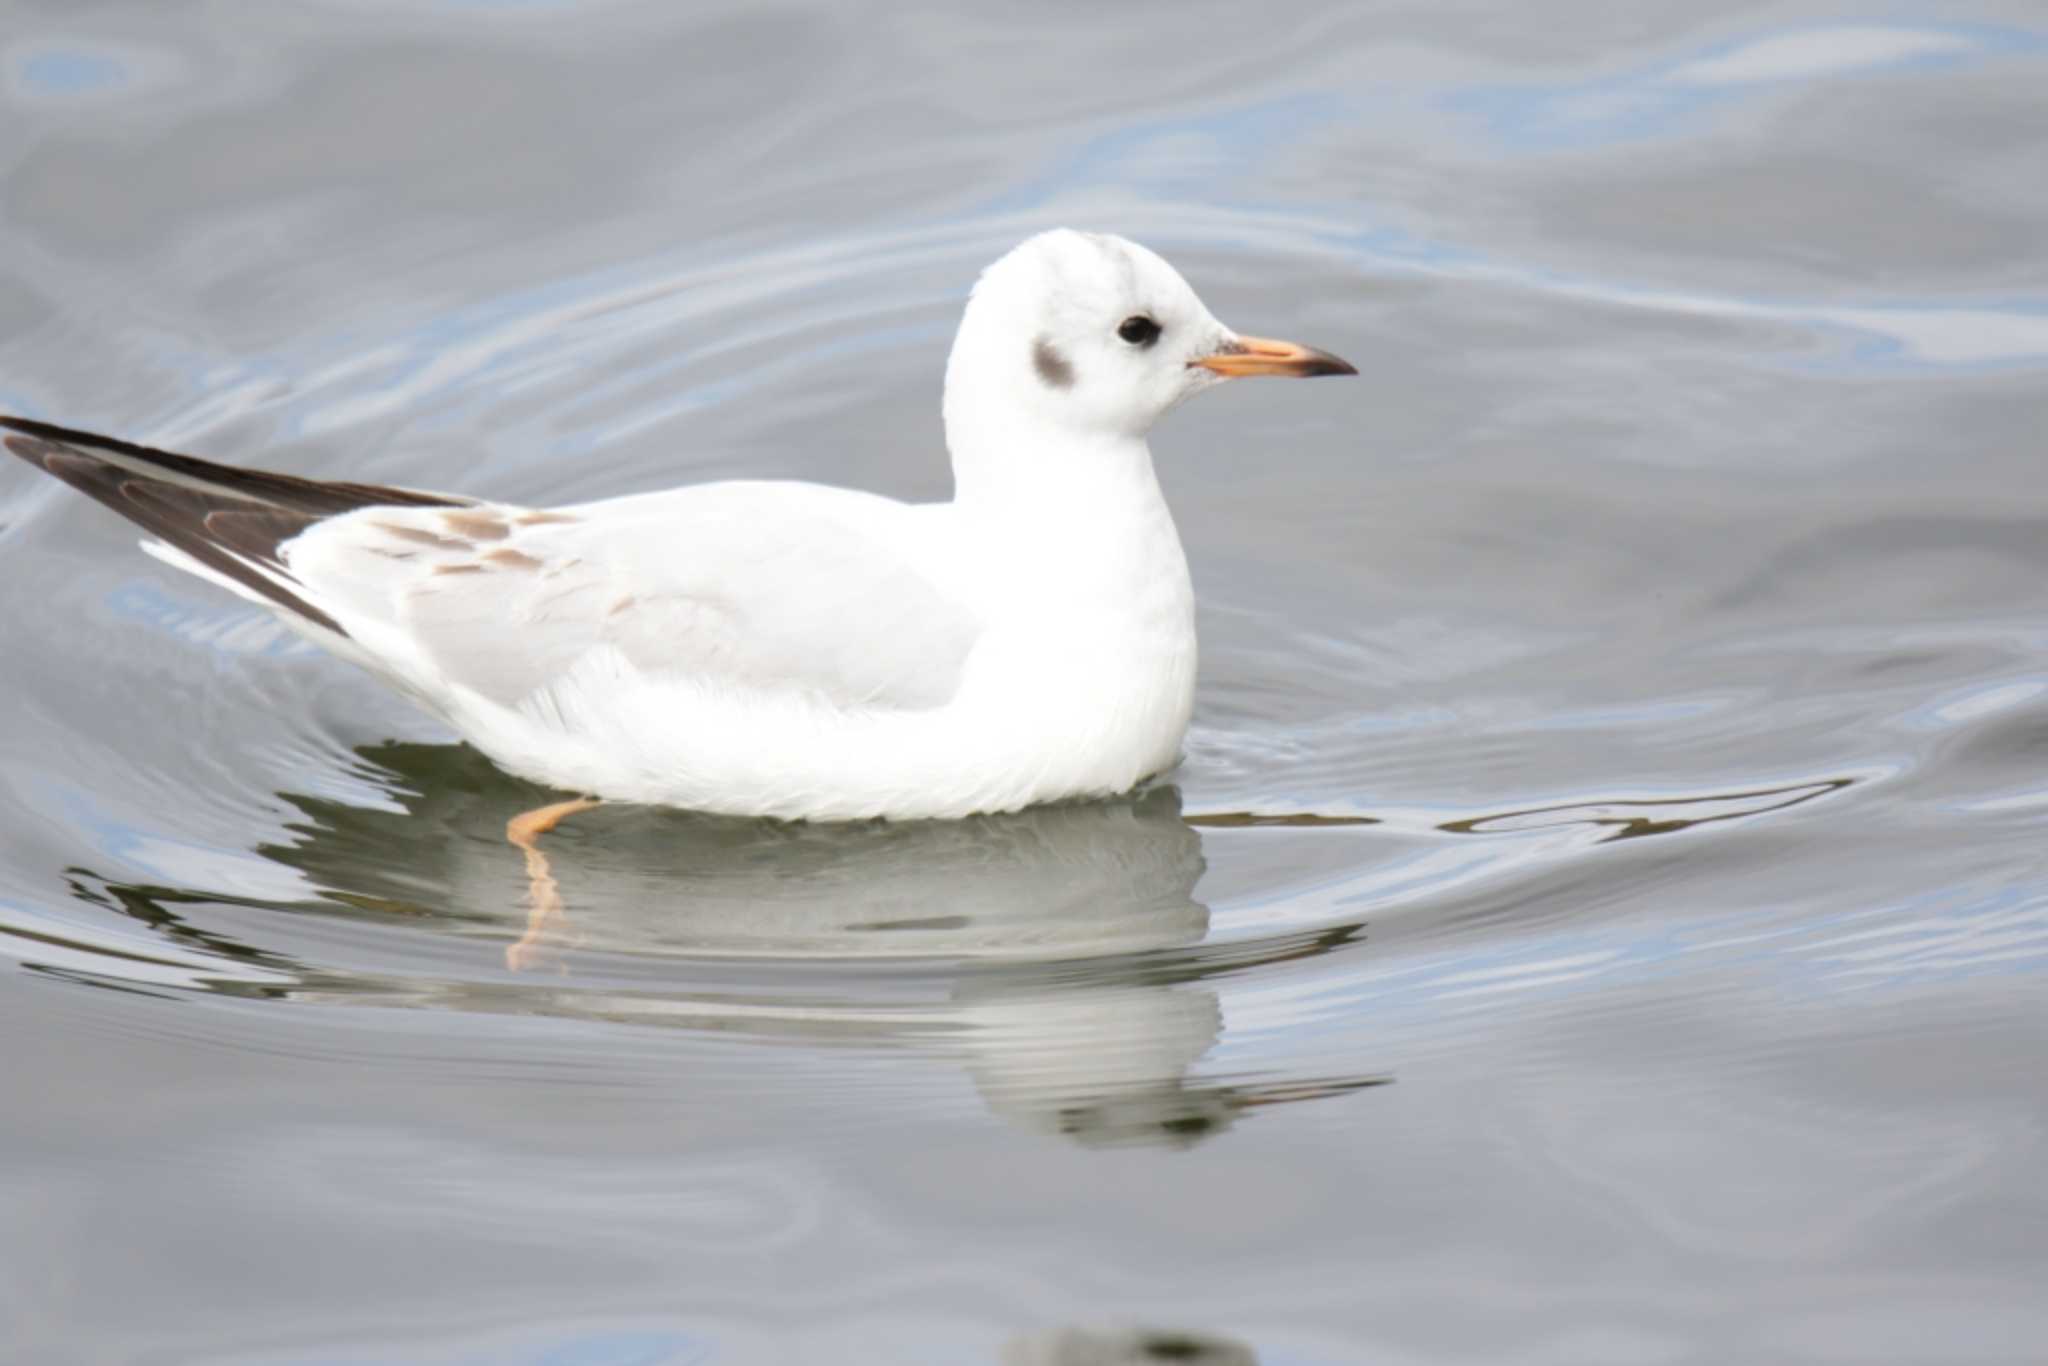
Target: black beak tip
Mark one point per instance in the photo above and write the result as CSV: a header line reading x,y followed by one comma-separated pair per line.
x,y
1326,364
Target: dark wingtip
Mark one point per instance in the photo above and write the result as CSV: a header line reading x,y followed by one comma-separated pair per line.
x,y
18,444
30,427
28,446
72,436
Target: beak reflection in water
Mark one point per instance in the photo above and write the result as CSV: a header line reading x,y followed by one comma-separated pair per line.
x,y
1128,1347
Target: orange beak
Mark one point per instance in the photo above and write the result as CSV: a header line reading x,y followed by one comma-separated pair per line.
x,y
1262,356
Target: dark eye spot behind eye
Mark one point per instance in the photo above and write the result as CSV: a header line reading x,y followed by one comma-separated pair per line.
x,y
1056,370
1138,330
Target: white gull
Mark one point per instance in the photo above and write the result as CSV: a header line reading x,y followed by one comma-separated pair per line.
x,y
780,648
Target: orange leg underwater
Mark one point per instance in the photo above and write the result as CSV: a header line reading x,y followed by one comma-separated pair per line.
x,y
544,915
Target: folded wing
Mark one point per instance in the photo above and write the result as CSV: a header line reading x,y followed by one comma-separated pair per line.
x,y
743,587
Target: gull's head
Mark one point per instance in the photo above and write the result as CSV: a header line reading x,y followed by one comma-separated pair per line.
x,y
1093,333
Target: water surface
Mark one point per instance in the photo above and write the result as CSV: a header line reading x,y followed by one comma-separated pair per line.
x,y
1602,916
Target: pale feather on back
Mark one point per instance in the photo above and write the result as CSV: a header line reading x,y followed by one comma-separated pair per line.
x,y
736,587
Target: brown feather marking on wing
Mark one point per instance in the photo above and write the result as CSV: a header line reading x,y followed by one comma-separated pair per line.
x,y
477,525
422,536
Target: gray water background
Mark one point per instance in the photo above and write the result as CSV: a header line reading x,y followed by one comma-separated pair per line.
x,y
1667,601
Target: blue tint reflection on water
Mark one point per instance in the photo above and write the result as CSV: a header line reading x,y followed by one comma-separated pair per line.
x,y
70,72
1660,99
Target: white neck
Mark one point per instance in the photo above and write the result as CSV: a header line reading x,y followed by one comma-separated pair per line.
x,y
1018,469
1069,522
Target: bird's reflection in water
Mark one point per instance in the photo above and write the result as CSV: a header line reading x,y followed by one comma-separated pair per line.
x,y
1141,1347
1056,954
641,884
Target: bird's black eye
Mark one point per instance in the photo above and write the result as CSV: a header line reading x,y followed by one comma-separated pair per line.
x,y
1138,330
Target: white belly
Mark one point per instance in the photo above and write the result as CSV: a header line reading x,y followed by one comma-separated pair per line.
x,y
1090,713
